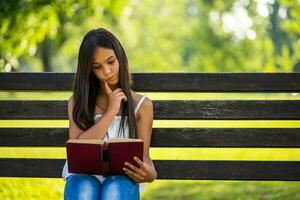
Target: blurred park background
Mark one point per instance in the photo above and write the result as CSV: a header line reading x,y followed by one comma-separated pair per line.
x,y
169,35
158,36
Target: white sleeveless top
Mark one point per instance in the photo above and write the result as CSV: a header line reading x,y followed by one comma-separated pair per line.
x,y
112,132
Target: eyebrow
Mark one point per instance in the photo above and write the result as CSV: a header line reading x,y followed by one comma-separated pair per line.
x,y
104,61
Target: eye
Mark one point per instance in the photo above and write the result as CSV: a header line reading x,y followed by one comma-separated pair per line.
x,y
111,62
96,67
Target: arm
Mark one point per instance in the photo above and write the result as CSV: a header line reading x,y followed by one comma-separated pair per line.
x,y
97,131
146,172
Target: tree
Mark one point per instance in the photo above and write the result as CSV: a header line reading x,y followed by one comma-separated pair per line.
x,y
181,35
40,28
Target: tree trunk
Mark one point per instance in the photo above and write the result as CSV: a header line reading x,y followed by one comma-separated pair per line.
x,y
45,54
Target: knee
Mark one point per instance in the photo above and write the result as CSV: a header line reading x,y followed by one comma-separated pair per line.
x,y
120,187
120,181
81,186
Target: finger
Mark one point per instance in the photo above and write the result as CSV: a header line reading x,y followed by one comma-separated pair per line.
x,y
122,96
133,174
138,161
132,177
116,91
130,166
107,88
135,169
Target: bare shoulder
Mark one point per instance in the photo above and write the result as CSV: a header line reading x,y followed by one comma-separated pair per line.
x,y
137,97
71,100
147,104
146,107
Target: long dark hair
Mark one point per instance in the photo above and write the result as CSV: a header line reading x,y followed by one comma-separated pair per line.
x,y
87,86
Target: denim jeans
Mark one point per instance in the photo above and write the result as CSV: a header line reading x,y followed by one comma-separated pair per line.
x,y
88,187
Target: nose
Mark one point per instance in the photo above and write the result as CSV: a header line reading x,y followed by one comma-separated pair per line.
x,y
107,69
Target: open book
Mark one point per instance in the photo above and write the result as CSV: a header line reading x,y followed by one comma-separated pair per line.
x,y
102,158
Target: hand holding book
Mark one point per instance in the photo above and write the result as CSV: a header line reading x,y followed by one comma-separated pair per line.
x,y
143,173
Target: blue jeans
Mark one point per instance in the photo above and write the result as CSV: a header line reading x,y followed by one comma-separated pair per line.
x,y
84,186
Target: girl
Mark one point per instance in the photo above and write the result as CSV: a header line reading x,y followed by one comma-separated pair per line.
x,y
104,106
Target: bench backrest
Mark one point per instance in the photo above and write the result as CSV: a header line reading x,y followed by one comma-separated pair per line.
x,y
166,110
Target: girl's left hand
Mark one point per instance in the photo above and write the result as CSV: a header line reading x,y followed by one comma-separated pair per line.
x,y
145,172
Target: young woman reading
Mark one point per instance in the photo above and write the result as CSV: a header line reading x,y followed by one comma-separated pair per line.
x,y
102,106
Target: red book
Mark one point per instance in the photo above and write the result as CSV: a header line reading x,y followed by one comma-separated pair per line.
x,y
102,158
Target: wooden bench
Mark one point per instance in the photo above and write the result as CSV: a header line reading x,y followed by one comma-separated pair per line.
x,y
166,110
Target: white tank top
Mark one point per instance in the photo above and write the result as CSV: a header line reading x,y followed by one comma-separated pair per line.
x,y
112,132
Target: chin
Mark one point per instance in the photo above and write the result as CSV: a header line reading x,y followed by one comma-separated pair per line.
x,y
113,83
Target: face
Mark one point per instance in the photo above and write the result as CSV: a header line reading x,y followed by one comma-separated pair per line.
x,y
106,66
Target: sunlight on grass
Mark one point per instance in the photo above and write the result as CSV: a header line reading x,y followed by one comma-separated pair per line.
x,y
222,190
31,188
46,188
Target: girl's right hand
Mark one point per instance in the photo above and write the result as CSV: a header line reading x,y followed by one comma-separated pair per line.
x,y
114,99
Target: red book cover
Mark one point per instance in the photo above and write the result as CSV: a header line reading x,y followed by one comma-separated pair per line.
x,y
121,152
97,157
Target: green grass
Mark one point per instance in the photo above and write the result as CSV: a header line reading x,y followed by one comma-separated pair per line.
x,y
38,188
46,188
222,190
31,188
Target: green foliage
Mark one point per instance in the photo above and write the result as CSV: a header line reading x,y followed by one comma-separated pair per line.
x,y
180,35
291,25
23,25
30,27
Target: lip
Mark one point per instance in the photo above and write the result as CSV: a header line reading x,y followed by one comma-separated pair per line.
x,y
111,78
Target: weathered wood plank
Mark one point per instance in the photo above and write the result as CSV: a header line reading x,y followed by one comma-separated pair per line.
x,y
227,109
36,81
166,137
179,109
201,82
229,170
170,169
226,137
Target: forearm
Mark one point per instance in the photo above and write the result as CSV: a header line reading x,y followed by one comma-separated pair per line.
x,y
98,130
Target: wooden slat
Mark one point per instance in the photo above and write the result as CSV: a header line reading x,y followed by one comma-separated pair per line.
x,y
229,170
166,137
33,109
36,81
33,137
226,137
212,109
228,109
201,82
218,82
169,169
